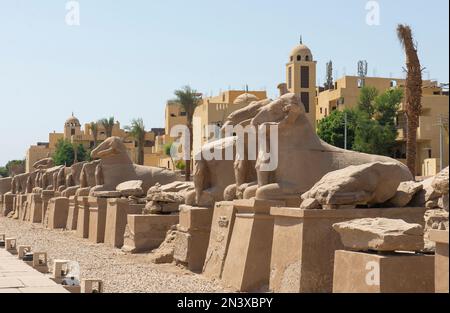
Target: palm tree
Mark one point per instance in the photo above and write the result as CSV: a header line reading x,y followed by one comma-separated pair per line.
x,y
137,131
188,99
94,130
413,93
108,124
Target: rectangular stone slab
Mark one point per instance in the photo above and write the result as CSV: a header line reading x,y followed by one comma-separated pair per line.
x,y
116,220
72,214
219,240
309,237
83,218
441,238
36,208
97,219
58,210
359,272
146,232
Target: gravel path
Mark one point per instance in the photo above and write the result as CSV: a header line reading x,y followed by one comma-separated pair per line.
x,y
120,272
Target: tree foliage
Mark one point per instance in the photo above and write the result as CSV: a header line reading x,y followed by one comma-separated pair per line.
x,y
65,153
137,132
371,125
108,125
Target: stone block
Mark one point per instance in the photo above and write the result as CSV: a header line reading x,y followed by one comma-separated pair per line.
x,y
190,249
8,204
72,214
195,218
247,263
219,240
441,260
36,208
83,217
58,209
97,219
116,220
309,237
359,272
146,232
46,196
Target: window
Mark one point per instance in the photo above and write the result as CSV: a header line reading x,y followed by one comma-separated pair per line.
x,y
173,115
183,114
290,77
321,110
304,96
292,58
299,57
304,77
326,112
307,58
360,82
72,131
393,83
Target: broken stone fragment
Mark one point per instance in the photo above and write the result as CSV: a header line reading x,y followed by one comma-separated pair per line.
x,y
405,193
310,204
440,182
131,188
434,220
380,234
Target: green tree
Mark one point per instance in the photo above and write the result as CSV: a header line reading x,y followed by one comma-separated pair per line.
x,y
65,153
188,99
108,125
15,167
366,99
94,129
3,172
331,129
167,148
137,132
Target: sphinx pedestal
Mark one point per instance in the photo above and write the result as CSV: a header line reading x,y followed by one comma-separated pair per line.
x,y
83,217
146,232
219,239
8,204
441,260
360,272
20,206
72,214
116,220
310,240
97,219
36,208
247,264
57,211
192,237
46,196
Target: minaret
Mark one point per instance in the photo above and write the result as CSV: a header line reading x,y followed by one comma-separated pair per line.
x,y
301,78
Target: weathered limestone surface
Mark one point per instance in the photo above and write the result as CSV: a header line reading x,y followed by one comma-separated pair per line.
x,y
146,232
380,234
309,237
405,193
97,219
367,184
116,220
83,217
440,182
219,240
192,237
72,215
58,210
130,188
441,238
358,272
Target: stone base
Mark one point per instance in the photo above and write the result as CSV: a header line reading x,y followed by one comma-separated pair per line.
x,y
36,208
441,260
116,220
8,204
247,264
311,241
46,196
97,219
219,239
58,208
72,214
359,272
192,237
146,232
83,217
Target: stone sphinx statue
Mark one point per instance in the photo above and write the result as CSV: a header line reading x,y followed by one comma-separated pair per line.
x,y
303,158
115,167
44,164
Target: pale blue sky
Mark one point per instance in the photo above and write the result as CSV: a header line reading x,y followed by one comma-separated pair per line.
x,y
127,57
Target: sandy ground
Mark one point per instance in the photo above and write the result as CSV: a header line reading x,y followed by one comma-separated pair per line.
x,y
120,272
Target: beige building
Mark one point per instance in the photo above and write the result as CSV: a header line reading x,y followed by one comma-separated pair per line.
x,y
435,104
76,134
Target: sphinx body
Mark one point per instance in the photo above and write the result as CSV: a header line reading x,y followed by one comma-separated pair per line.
x,y
115,166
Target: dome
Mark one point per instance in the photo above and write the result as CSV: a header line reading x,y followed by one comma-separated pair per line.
x,y
301,53
73,121
245,98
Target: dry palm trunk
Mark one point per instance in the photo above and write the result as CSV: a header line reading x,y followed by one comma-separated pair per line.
x,y
413,94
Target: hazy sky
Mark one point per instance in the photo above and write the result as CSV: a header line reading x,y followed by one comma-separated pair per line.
x,y
126,57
